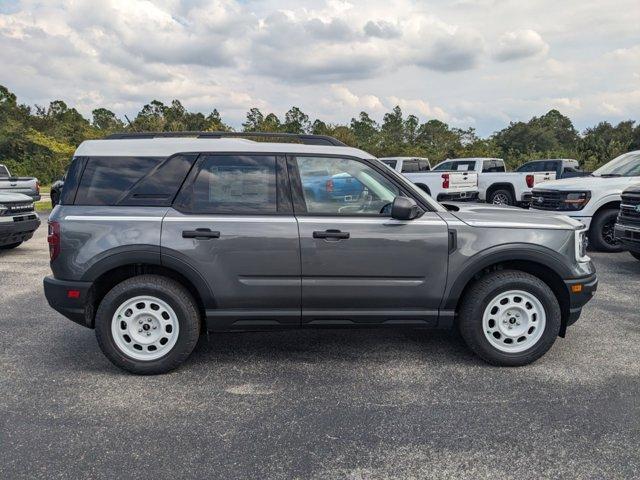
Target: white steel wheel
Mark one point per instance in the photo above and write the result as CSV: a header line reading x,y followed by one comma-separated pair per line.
x,y
514,321
145,328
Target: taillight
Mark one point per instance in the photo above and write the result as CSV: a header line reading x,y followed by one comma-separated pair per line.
x,y
329,186
530,181
54,240
445,180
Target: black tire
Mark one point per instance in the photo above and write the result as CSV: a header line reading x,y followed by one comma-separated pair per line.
x,y
54,199
165,289
601,231
502,197
424,188
635,255
482,292
10,246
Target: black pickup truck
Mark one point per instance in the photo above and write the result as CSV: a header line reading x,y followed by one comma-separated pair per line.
x,y
627,229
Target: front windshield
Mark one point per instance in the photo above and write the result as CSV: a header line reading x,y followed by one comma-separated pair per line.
x,y
626,165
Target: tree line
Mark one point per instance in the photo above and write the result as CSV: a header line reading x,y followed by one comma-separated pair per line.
x,y
40,141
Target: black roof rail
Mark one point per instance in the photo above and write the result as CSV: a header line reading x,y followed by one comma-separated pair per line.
x,y
306,139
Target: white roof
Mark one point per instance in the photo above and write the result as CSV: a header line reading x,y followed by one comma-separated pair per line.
x,y
403,158
165,147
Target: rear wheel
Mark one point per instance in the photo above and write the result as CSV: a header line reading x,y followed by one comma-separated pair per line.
x,y
10,246
54,199
601,231
509,318
501,197
147,324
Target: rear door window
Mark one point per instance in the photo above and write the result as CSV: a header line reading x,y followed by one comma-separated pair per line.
x,y
224,184
410,166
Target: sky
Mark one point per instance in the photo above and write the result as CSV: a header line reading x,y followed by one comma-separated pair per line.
x,y
471,63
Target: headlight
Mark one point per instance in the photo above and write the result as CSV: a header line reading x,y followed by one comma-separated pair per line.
x,y
582,241
3,208
575,200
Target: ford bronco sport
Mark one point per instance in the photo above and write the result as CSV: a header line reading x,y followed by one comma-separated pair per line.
x,y
158,237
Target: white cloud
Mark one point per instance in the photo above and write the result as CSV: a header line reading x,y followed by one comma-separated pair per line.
x,y
520,44
449,60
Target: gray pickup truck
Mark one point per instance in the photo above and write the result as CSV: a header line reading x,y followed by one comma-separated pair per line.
x,y
25,185
158,237
18,220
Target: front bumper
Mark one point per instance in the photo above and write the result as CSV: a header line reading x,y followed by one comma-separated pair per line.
x,y
629,237
458,196
17,229
79,308
578,299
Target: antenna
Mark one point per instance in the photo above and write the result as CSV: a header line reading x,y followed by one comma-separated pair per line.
x,y
130,123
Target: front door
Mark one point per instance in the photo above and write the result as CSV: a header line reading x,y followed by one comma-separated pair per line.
x,y
359,265
233,223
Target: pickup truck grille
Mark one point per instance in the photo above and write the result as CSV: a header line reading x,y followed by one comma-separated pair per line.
x,y
17,208
630,209
546,199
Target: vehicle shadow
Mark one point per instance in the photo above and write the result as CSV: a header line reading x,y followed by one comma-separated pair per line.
x,y
333,345
272,350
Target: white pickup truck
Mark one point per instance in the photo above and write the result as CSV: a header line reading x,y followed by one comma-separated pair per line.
x,y
24,185
495,184
452,186
594,200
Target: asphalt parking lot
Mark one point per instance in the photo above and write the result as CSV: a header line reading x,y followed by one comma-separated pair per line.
x,y
318,404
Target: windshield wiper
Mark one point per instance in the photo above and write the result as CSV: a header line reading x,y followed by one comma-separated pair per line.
x,y
610,175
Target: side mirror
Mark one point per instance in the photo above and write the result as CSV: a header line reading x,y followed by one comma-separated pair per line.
x,y
404,208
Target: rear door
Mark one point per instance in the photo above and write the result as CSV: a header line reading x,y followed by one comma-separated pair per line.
x,y
359,265
233,223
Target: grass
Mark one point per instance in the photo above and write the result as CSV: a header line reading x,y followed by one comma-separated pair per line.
x,y
43,206
45,188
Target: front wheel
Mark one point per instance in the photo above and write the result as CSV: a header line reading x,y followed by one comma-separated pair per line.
x,y
509,318
602,231
147,324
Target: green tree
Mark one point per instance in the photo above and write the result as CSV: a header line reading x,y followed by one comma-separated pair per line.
x,y
254,121
296,121
105,120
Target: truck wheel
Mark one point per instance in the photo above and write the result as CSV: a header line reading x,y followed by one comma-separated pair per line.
x,y
635,255
601,231
147,324
509,318
10,246
501,197
424,188
54,199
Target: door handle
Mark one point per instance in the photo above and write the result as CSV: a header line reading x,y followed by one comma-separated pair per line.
x,y
337,234
200,233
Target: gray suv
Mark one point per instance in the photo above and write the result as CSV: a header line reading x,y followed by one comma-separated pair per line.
x,y
158,237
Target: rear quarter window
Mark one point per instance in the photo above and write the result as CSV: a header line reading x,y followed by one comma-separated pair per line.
x,y
133,181
106,180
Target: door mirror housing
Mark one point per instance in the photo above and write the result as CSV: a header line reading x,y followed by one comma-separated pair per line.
x,y
404,208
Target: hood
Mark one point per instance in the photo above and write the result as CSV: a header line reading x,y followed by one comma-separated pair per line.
x,y
587,183
635,189
14,197
494,216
